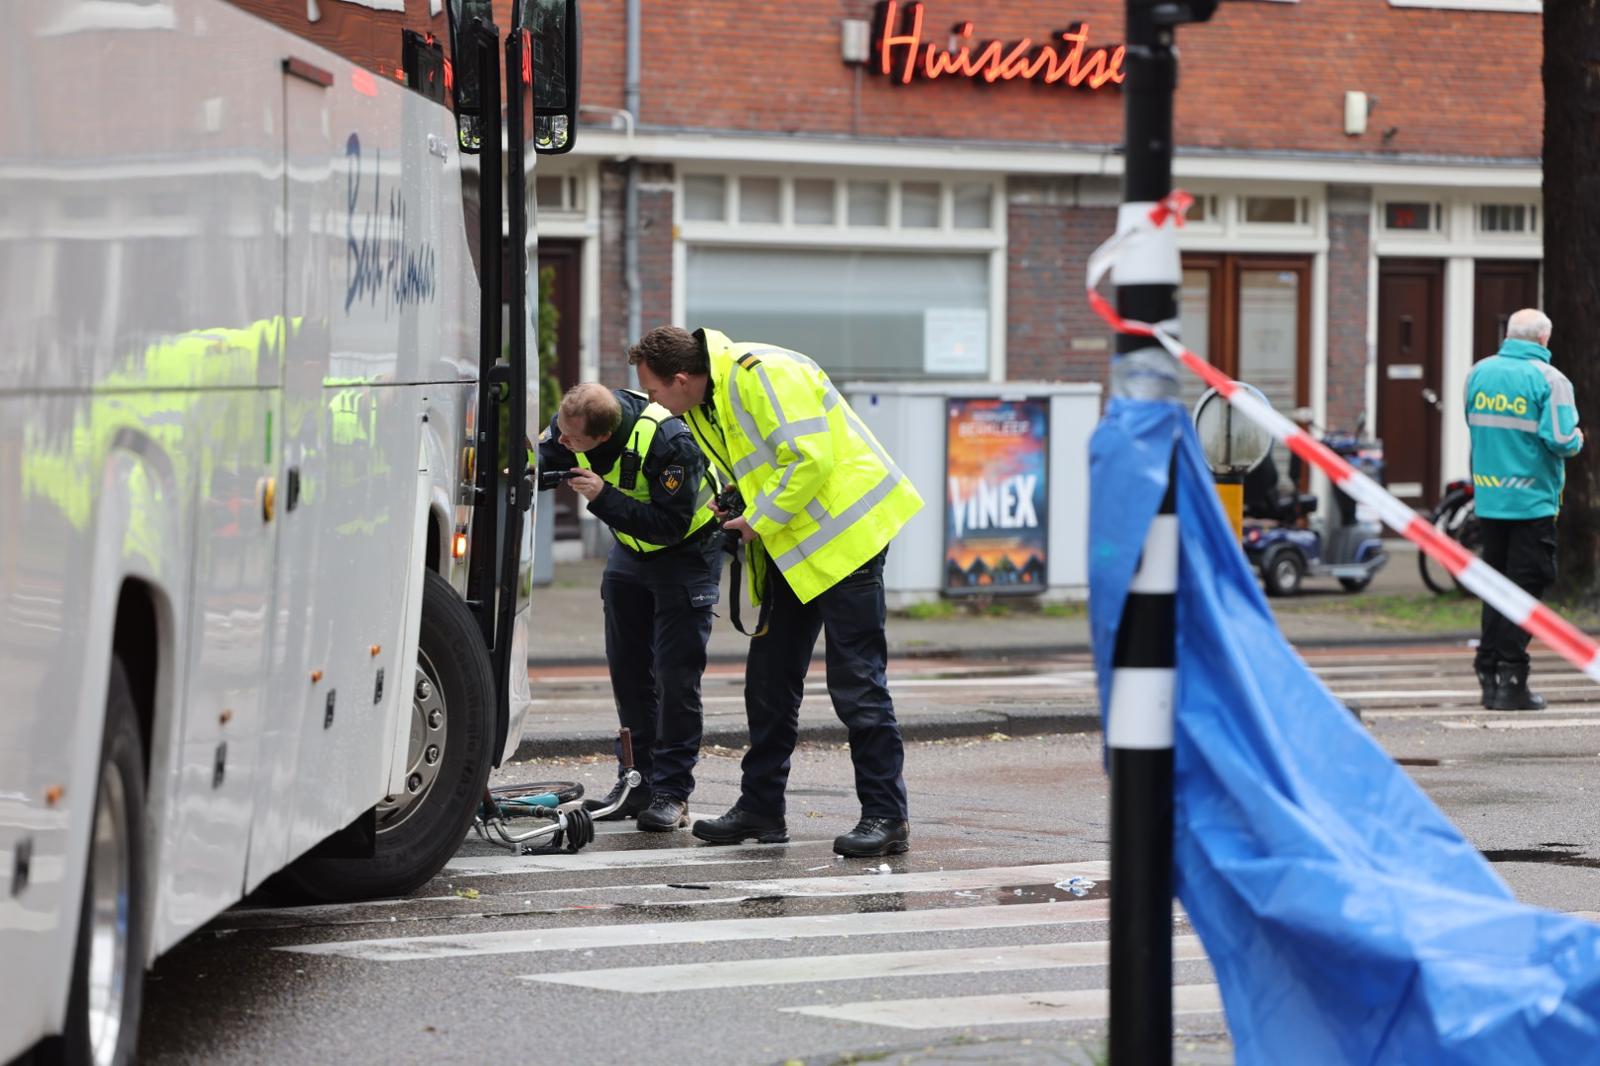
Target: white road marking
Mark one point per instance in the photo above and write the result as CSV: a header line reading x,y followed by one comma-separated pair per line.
x,y
1526,723
1445,712
1009,1008
502,865
875,884
518,941
1473,694
816,968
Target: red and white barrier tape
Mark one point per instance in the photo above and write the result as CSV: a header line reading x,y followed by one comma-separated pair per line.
x,y
1474,574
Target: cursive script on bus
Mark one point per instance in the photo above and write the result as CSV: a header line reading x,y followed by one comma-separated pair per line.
x,y
381,260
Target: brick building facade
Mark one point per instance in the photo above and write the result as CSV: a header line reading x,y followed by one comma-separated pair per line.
x,y
792,188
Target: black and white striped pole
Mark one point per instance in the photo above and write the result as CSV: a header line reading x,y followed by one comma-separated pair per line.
x,y
1139,720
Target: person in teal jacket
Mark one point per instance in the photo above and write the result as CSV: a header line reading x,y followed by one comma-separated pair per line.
x,y
1524,427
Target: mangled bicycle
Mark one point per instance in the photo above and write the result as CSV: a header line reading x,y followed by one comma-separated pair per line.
x,y
540,817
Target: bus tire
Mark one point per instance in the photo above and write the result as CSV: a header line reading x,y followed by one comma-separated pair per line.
x,y
108,964
418,835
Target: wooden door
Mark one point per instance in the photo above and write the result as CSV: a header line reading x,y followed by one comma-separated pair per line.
x,y
1500,287
1410,404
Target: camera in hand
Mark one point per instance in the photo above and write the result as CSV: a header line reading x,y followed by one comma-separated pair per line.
x,y
731,504
549,479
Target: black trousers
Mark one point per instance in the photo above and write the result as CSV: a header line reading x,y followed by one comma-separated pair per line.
x,y
851,613
658,619
1525,551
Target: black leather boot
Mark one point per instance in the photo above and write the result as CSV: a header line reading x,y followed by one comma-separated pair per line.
x,y
664,814
1511,690
875,836
638,800
739,825
1488,682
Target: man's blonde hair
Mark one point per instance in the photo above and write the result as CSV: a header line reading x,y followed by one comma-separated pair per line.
x,y
592,406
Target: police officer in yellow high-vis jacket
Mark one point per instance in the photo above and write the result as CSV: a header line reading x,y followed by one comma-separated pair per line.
x,y
821,501
645,477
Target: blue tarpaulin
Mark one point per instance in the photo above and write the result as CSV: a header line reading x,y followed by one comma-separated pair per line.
x,y
1347,920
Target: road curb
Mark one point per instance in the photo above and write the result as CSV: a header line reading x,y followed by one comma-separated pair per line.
x,y
982,724
1023,651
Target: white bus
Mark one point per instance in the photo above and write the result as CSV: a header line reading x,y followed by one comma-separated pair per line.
x,y
263,525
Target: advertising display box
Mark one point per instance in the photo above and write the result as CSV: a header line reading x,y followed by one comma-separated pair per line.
x,y
1003,469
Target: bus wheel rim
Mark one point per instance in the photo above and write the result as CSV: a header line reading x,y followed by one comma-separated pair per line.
x,y
110,885
430,724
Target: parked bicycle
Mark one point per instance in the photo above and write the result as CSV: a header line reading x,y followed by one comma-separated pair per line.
x,y
1455,517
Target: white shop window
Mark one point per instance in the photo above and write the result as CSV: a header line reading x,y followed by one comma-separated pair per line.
x,y
883,315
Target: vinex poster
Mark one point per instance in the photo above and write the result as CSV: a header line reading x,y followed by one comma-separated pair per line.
x,y
995,531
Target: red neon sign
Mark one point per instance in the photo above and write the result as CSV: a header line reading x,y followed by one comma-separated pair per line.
x,y
901,54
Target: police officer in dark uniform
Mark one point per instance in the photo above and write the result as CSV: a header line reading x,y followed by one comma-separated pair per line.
x,y
644,476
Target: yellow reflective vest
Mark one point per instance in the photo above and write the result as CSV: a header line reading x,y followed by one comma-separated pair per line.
x,y
639,441
820,491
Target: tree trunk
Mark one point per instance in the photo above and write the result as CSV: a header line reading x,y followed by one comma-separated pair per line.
x,y
1572,265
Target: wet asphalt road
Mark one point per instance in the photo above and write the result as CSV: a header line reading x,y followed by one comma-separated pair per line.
x,y
514,972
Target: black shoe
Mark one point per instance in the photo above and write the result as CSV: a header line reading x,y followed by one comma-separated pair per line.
x,y
875,836
638,800
1488,682
664,814
740,825
1511,691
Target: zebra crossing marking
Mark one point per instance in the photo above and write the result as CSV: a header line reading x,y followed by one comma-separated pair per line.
x,y
793,927
870,884
807,969
1526,723
497,865
947,1012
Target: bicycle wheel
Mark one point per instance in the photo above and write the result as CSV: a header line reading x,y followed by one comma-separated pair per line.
x,y
563,791
1454,518
1468,533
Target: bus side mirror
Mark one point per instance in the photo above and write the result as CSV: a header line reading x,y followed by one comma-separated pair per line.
x,y
464,82
552,27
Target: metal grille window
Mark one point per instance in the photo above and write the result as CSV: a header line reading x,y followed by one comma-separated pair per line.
x,y
1508,218
914,209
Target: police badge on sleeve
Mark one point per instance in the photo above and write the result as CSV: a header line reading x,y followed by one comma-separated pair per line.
x,y
672,479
